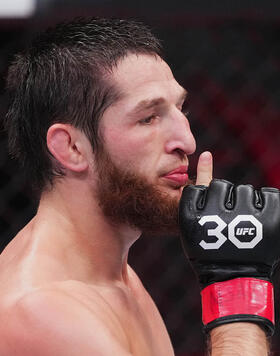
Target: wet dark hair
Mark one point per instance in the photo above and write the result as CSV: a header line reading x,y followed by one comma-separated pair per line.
x,y
64,77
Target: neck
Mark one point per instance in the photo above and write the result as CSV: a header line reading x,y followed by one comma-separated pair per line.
x,y
73,226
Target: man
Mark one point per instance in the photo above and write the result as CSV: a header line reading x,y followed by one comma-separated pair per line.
x,y
97,120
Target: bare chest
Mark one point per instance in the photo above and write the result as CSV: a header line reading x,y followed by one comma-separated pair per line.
x,y
146,331
141,322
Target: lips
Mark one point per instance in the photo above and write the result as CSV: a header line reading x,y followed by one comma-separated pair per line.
x,y
178,175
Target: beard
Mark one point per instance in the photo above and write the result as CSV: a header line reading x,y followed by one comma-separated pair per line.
x,y
126,197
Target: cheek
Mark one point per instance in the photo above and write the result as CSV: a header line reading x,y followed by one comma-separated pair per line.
x,y
123,147
136,151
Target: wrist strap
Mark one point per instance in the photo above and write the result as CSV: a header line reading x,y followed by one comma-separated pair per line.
x,y
248,299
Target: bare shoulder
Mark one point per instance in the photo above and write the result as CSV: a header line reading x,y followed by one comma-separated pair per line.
x,y
133,276
55,321
138,287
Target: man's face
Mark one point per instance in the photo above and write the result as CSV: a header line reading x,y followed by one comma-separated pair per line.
x,y
146,142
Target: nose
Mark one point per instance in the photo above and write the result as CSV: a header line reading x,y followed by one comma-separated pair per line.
x,y
179,136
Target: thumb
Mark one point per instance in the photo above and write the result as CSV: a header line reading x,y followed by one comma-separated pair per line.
x,y
204,169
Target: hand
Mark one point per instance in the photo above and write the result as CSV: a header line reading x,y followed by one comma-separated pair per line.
x,y
204,169
231,235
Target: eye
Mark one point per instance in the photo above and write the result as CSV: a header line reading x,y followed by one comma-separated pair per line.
x,y
148,120
185,108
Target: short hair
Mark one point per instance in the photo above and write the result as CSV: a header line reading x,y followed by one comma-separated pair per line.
x,y
62,77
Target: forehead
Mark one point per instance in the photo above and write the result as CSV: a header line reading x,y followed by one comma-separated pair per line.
x,y
141,77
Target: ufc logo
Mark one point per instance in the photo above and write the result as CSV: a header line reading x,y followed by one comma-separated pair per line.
x,y
243,231
232,236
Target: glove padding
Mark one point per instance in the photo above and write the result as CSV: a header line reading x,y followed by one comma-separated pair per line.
x,y
231,235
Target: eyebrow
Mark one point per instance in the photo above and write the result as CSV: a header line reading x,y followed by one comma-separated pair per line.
x,y
150,103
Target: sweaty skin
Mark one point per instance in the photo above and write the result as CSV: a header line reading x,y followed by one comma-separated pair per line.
x,y
66,287
48,309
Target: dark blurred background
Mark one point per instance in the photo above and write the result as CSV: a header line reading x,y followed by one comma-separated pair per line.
x,y
227,55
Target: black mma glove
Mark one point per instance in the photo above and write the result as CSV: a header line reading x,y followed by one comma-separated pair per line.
x,y
231,235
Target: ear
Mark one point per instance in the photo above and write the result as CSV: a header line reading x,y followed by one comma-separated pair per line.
x,y
68,145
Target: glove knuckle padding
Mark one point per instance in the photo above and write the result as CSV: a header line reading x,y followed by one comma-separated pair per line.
x,y
192,196
244,199
231,232
189,205
270,217
271,200
218,194
227,202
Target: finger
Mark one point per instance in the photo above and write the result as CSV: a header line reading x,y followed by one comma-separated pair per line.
x,y
270,200
219,195
190,203
244,198
204,169
192,196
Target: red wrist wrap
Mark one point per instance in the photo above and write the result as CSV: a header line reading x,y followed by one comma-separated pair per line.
x,y
249,296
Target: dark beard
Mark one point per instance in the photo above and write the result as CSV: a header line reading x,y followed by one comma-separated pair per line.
x,y
127,198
